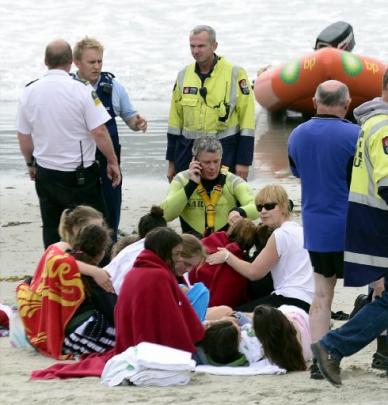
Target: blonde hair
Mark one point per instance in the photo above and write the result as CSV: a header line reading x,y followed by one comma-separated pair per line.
x,y
191,246
274,193
86,43
122,243
74,219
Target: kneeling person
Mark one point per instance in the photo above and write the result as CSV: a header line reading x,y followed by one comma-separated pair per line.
x,y
206,197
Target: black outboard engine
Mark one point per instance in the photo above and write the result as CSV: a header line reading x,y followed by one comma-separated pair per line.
x,y
337,35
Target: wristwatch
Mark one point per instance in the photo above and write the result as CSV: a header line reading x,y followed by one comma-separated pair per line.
x,y
32,163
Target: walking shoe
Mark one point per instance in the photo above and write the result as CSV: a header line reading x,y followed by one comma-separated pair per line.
x,y
330,367
379,361
315,373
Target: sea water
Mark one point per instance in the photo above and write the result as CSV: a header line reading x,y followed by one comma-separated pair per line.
x,y
146,44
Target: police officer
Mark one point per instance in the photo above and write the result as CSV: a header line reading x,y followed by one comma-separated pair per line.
x,y
211,97
366,246
88,57
60,121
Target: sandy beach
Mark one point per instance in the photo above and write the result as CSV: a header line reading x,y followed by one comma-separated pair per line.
x,y
21,247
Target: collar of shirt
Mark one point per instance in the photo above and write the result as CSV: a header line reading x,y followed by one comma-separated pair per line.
x,y
203,76
327,116
61,72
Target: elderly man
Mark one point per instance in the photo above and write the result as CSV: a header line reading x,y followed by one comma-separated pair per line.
x,y
211,97
366,248
206,197
60,121
88,57
321,153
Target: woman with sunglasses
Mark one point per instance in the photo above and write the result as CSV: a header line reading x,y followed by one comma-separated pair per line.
x,y
283,255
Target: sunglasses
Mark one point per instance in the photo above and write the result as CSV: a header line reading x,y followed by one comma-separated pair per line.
x,y
268,206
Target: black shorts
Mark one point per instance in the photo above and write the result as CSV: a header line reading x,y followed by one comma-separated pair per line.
x,y
328,264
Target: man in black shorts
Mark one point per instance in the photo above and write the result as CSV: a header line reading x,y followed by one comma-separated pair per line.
x,y
321,153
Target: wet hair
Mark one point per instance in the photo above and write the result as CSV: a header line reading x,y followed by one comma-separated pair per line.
x,y
243,232
86,43
162,241
221,342
385,80
91,241
275,193
73,219
191,246
58,54
278,337
206,144
153,219
204,28
122,243
332,98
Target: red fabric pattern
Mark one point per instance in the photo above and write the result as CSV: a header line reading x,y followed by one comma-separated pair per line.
x,y
226,286
50,301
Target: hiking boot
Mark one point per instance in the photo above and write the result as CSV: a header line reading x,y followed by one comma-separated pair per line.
x,y
359,303
315,373
330,367
379,361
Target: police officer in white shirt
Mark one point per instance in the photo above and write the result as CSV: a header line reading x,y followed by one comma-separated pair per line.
x,y
60,122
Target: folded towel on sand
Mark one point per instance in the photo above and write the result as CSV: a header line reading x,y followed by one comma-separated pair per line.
x,y
149,364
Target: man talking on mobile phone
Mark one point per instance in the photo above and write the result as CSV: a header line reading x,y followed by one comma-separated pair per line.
x,y
207,197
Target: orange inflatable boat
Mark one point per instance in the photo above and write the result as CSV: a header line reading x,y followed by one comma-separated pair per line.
x,y
292,86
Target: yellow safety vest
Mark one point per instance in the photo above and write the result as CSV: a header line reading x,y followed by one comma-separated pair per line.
x,y
226,109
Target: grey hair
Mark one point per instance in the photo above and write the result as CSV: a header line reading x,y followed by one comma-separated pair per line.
x,y
206,144
201,28
332,98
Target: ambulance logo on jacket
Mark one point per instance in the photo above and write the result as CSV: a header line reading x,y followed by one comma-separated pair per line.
x,y
190,90
385,145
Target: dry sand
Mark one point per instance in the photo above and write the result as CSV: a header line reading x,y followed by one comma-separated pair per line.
x,y
20,249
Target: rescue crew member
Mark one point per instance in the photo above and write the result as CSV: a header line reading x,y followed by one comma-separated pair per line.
x,y
366,246
206,197
325,188
88,57
60,121
211,97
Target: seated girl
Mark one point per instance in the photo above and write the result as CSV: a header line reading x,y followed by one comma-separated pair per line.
x,y
226,286
151,307
284,255
124,260
91,329
57,301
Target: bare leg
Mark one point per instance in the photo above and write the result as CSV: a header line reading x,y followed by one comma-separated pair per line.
x,y
320,310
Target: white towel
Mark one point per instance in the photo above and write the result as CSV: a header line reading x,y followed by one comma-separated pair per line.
x,y
261,367
149,364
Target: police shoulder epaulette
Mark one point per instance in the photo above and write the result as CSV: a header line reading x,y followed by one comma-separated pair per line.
x,y
85,82
110,75
33,81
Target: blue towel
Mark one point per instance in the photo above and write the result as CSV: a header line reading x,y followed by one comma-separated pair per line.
x,y
199,296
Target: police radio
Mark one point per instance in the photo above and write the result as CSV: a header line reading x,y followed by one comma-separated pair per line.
x,y
80,170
